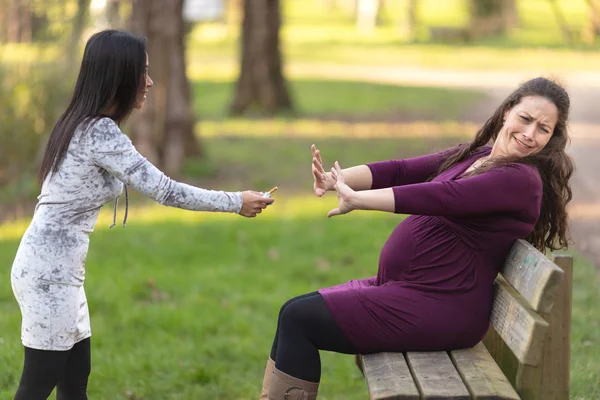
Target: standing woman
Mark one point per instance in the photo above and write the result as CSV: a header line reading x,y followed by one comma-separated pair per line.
x,y
87,163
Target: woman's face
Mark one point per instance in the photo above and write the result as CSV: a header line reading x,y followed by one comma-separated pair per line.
x,y
527,128
141,98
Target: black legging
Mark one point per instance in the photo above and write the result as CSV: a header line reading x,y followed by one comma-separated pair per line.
x,y
304,327
67,370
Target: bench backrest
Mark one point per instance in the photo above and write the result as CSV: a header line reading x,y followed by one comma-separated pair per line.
x,y
527,290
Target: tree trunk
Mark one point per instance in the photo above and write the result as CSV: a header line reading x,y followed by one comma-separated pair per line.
x,y
3,20
113,14
367,14
492,17
163,130
591,30
26,18
562,21
79,22
408,21
261,82
595,17
13,25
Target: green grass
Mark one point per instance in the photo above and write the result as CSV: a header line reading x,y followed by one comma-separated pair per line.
x,y
328,98
285,161
184,304
313,34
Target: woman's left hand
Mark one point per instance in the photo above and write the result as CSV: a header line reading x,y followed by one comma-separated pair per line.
x,y
346,196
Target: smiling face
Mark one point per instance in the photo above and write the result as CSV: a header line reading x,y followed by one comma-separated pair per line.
x,y
141,98
528,127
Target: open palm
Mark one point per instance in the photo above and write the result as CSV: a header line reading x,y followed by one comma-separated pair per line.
x,y
344,193
322,182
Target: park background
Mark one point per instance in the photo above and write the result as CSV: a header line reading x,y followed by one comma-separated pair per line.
x,y
184,304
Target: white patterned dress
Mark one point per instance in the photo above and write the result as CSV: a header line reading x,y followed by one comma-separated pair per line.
x,y
49,269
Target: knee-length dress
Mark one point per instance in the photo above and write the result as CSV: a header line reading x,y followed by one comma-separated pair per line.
x,y
434,286
49,268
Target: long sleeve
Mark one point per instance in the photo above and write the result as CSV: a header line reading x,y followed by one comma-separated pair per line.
x,y
408,171
511,188
113,151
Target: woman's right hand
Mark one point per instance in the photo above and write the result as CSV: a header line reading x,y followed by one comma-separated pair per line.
x,y
323,181
253,203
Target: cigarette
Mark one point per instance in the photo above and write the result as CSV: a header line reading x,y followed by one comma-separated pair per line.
x,y
272,190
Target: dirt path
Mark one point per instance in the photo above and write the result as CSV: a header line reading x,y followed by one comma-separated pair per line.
x,y
584,89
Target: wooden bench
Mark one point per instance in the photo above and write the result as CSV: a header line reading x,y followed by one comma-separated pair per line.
x,y
525,354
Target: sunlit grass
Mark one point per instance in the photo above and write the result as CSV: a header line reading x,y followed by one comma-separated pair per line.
x,y
184,304
331,98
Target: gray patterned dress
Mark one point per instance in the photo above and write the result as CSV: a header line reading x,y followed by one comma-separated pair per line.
x,y
49,269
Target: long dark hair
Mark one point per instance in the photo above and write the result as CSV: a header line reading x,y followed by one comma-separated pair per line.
x,y
112,74
553,163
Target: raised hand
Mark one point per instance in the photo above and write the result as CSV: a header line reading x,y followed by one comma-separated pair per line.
x,y
344,192
323,182
253,203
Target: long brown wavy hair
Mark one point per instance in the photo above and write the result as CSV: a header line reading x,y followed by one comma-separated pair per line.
x,y
552,162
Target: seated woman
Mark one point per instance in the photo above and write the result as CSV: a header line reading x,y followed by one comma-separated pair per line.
x,y
434,287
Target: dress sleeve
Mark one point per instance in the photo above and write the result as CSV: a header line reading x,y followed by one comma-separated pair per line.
x,y
408,171
113,151
512,188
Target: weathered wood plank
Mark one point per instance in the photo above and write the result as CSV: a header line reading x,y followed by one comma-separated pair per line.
x,y
435,376
388,377
520,327
481,374
557,349
533,275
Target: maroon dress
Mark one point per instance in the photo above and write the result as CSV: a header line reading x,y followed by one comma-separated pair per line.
x,y
434,286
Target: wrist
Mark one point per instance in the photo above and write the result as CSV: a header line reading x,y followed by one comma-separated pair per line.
x,y
329,182
357,201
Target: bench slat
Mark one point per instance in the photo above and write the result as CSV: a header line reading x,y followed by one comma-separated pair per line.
x,y
533,275
481,374
436,376
388,377
520,327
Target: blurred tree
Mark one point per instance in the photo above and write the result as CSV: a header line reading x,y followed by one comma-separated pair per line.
x,y
79,23
261,82
492,17
115,13
407,25
163,130
15,21
368,14
562,21
592,29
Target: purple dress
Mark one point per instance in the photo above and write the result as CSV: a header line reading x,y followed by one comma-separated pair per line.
x,y
434,287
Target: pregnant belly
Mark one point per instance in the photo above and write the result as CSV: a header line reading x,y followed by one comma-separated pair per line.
x,y
419,248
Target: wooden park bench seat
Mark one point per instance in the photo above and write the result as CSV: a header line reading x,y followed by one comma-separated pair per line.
x,y
525,354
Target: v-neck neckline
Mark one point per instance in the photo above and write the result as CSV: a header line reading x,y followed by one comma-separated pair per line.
x,y
461,168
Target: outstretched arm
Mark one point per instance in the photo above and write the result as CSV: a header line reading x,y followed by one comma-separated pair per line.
x,y
378,175
512,188
407,171
114,152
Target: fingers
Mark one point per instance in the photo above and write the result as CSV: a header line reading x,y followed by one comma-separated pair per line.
x,y
318,156
333,212
336,172
316,153
337,167
318,165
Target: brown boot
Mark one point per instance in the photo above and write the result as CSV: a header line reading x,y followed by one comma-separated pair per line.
x,y
286,387
267,379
